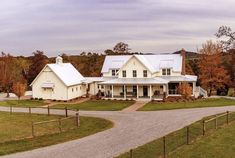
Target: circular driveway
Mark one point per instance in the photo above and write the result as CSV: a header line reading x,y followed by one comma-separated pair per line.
x,y
131,130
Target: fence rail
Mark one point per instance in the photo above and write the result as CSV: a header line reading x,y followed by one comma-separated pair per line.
x,y
169,143
60,123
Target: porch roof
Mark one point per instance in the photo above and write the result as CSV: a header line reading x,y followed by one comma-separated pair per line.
x,y
187,78
135,81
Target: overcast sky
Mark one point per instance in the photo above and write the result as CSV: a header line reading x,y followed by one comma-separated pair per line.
x,y
73,26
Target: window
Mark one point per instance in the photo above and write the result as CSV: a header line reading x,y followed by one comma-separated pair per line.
x,y
102,86
166,72
72,89
113,72
145,73
124,73
76,88
134,73
163,72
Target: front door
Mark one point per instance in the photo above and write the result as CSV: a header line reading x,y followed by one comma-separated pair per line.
x,y
145,91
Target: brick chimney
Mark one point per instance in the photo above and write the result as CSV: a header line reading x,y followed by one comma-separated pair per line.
x,y
183,54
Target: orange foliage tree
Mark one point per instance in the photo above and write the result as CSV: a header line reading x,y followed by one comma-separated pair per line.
x,y
212,74
19,89
185,89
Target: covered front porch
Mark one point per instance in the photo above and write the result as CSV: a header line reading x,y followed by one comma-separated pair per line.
x,y
135,88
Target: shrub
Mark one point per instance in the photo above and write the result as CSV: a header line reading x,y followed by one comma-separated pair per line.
x,y
40,99
231,92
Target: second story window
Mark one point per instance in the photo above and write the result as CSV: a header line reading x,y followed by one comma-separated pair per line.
x,y
134,73
124,73
113,72
166,72
145,73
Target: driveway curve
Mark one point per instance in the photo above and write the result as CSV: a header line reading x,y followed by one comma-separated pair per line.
x,y
131,130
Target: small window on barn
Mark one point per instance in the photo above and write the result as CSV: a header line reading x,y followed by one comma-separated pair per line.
x,y
72,89
124,73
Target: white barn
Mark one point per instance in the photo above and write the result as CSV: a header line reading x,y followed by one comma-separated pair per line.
x,y
59,81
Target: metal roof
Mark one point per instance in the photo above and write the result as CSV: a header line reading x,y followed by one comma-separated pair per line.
x,y
153,62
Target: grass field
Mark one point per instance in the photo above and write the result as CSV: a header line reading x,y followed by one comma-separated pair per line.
x,y
193,104
98,105
16,126
218,144
22,103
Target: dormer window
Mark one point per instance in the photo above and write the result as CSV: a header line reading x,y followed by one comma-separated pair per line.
x,y
166,72
114,72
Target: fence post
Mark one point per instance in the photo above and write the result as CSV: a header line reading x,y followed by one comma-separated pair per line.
x,y
66,111
204,128
30,110
187,135
11,109
33,130
164,147
227,117
131,153
216,122
60,128
77,118
48,110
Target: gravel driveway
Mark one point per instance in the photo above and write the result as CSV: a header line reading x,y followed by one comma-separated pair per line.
x,y
131,130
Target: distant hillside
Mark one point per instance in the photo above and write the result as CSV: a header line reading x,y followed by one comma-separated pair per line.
x,y
189,55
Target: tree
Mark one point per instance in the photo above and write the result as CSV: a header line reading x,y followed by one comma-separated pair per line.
x,y
109,52
121,48
227,33
185,89
38,61
19,89
212,74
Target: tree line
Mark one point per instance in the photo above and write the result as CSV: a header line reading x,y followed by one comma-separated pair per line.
x,y
213,63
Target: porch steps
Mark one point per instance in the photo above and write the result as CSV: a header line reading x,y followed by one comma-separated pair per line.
x,y
137,105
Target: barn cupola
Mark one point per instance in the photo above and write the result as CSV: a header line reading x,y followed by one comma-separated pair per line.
x,y
59,60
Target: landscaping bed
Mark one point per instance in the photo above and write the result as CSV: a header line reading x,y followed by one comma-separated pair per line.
x,y
16,131
215,102
98,105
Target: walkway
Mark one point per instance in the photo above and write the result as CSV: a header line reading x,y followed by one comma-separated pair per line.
x,y
134,107
131,130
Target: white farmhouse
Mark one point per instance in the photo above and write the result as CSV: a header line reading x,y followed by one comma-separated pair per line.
x,y
150,77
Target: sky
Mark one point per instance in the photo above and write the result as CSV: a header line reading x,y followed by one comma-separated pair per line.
x,y
74,26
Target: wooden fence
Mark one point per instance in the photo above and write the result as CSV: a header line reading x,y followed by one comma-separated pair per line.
x,y
187,135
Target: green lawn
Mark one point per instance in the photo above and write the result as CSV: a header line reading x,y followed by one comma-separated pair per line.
x,y
192,104
22,103
18,125
98,105
219,144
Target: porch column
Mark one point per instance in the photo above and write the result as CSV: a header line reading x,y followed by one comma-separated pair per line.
x,y
194,86
105,91
150,93
124,91
137,93
112,91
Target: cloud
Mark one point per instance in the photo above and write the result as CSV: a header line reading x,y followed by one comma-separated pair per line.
x,y
95,25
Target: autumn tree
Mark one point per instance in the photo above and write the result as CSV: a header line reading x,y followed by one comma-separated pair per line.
x,y
185,89
10,72
19,89
121,48
212,74
38,61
